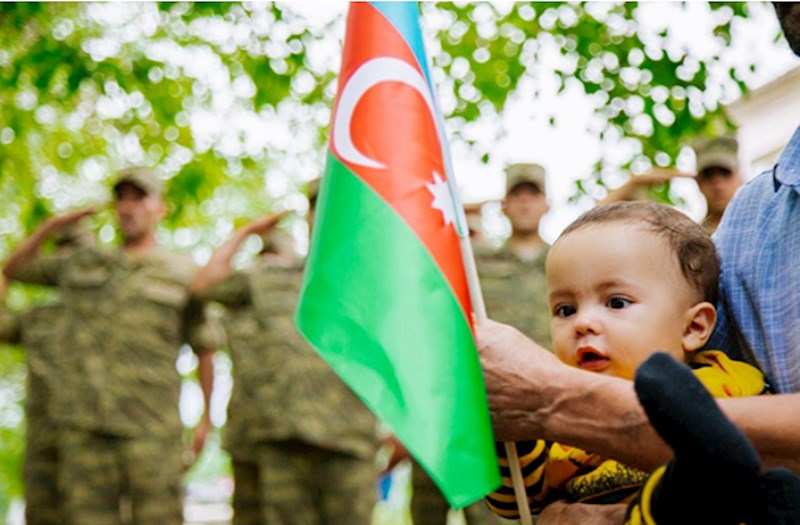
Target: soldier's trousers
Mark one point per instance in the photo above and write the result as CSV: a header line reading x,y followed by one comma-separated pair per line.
x,y
300,484
99,471
429,506
43,505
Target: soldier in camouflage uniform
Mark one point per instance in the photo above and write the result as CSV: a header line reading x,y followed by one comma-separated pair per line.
x,y
303,445
40,331
128,313
243,333
512,277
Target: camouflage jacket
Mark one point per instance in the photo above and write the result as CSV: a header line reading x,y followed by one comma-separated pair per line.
x,y
127,319
515,291
282,388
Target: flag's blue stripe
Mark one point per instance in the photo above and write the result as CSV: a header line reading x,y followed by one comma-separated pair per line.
x,y
405,18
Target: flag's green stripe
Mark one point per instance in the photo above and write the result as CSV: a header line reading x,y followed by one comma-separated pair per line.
x,y
379,310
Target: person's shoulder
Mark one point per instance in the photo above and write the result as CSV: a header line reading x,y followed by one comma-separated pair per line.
x,y
167,266
756,186
758,191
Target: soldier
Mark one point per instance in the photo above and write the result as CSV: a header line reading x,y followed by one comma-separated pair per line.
x,y
244,342
303,445
718,176
128,313
40,330
512,277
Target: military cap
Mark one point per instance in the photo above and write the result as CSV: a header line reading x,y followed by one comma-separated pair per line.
x,y
721,152
525,173
142,178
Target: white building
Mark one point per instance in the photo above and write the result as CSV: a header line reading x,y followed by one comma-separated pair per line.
x,y
766,117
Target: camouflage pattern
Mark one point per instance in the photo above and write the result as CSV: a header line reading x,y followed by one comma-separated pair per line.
x,y
283,389
340,492
100,470
286,397
515,291
128,318
40,331
306,485
429,507
242,330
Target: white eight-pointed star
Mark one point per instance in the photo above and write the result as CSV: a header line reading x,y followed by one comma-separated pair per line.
x,y
442,199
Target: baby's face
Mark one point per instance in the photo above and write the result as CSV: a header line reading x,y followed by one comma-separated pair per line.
x,y
616,295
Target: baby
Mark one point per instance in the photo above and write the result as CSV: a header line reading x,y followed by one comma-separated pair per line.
x,y
625,281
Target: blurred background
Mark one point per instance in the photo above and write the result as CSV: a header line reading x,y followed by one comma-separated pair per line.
x,y
230,103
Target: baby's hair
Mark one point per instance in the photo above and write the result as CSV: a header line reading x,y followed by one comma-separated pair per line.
x,y
696,253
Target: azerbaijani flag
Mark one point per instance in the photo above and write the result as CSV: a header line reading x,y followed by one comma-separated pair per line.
x,y
385,299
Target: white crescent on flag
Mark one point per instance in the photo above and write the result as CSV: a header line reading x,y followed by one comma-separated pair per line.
x,y
370,74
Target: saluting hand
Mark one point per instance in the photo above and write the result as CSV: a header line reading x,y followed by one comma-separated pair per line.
x,y
659,175
30,246
60,222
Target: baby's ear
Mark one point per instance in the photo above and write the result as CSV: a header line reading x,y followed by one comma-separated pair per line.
x,y
700,321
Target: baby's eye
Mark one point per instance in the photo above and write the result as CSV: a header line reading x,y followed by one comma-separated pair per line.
x,y
564,310
617,303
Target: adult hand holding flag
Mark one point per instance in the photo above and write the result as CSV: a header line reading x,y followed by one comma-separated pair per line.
x,y
385,299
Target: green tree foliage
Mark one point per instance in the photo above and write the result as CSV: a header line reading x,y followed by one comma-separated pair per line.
x,y
644,90
231,102
87,88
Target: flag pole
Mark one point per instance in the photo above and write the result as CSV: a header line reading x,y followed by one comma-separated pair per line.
x,y
476,296
479,309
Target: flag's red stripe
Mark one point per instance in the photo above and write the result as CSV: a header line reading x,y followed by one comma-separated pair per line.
x,y
393,125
